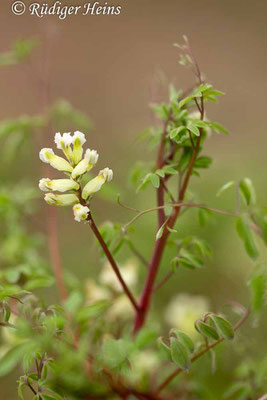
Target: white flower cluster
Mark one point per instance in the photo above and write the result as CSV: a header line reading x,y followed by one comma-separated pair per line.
x,y
75,166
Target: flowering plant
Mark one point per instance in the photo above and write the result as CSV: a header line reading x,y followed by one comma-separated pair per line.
x,y
105,339
74,167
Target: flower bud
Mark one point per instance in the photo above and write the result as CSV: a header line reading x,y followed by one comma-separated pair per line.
x,y
95,184
59,163
64,143
60,185
78,142
90,159
61,199
80,212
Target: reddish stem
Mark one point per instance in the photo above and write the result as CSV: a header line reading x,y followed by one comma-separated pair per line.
x,y
160,244
112,262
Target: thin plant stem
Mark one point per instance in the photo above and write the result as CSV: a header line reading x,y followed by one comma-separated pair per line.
x,y
180,205
163,281
112,262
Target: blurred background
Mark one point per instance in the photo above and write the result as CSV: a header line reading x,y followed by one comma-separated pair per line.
x,y
109,67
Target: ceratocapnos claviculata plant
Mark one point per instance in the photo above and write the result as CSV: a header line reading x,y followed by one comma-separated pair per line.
x,y
100,341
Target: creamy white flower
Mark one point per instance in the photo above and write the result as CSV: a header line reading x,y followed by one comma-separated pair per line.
x,y
59,163
95,292
129,272
142,363
60,185
80,212
63,140
95,184
61,199
184,310
91,156
79,135
90,159
107,173
121,309
42,184
78,142
44,155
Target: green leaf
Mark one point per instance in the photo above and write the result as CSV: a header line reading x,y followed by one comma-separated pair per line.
x,y
92,311
258,285
206,330
201,247
20,393
161,230
175,132
225,187
189,259
202,88
261,220
193,128
180,354
223,326
171,230
45,281
160,173
48,397
169,170
245,233
155,180
115,352
247,190
203,162
184,339
145,181
187,99
161,110
217,127
166,351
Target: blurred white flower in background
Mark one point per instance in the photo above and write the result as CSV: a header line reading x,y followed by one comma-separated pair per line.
x,y
110,289
121,309
183,310
129,272
95,292
142,365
